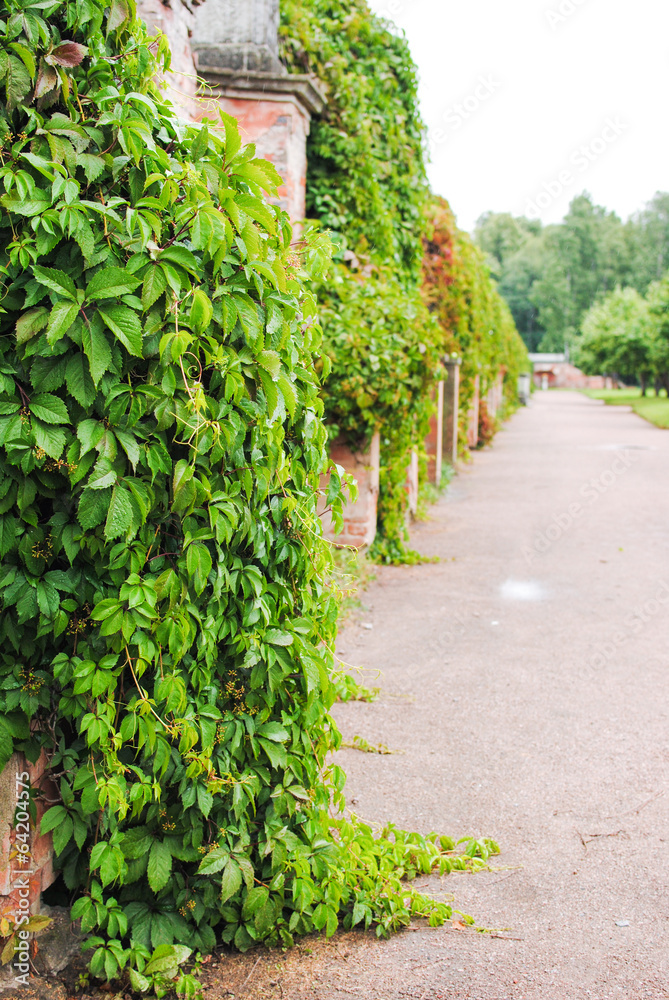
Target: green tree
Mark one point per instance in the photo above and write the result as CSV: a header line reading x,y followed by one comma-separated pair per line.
x,y
658,303
616,339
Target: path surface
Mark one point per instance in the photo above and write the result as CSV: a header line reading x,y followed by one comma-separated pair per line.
x,y
526,679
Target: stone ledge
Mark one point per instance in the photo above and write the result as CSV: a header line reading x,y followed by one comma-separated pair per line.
x,y
224,81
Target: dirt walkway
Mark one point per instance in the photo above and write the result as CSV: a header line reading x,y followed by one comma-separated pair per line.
x,y
525,678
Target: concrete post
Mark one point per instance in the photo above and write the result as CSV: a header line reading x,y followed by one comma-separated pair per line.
x,y
451,410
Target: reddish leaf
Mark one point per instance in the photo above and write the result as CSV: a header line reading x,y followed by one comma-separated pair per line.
x,y
68,54
47,79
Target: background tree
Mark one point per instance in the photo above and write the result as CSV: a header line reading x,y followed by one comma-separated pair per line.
x,y
616,338
658,307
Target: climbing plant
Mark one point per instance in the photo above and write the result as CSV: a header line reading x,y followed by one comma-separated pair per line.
x,y
474,320
166,629
366,183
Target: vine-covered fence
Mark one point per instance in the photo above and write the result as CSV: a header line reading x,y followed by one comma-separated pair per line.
x,y
177,364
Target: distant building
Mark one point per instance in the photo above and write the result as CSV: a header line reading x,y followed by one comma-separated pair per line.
x,y
555,371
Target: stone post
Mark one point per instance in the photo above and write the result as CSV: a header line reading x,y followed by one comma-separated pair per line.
x,y
434,442
451,410
236,49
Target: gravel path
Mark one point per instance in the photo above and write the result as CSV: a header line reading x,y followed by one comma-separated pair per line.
x,y
525,679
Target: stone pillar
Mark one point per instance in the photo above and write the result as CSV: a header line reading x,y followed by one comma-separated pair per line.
x,y
236,50
434,442
451,410
359,517
473,416
176,20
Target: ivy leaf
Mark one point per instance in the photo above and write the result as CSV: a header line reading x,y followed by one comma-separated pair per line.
x,y
97,349
198,564
92,165
31,323
61,318
47,80
119,13
56,281
110,283
93,505
231,881
271,362
154,285
17,81
119,518
26,56
49,408
79,381
278,638
125,324
67,54
201,311
50,439
215,861
159,867
102,476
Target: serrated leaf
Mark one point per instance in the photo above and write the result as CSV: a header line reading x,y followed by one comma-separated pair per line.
x,y
56,281
61,318
102,476
49,408
50,439
231,880
111,282
25,55
214,861
159,866
93,166
79,381
47,80
97,350
93,506
17,81
30,323
201,311
270,361
119,518
154,285
119,13
125,324
68,54
289,393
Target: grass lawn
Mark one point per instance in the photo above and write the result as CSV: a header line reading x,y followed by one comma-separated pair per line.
x,y
653,408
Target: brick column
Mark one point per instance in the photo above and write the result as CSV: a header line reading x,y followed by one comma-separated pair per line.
x,y
26,857
236,50
360,517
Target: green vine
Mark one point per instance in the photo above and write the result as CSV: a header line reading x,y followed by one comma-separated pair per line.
x,y
166,628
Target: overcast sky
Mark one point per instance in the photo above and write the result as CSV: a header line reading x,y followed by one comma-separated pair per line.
x,y
528,103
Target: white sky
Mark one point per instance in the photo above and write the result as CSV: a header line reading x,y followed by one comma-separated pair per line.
x,y
544,91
